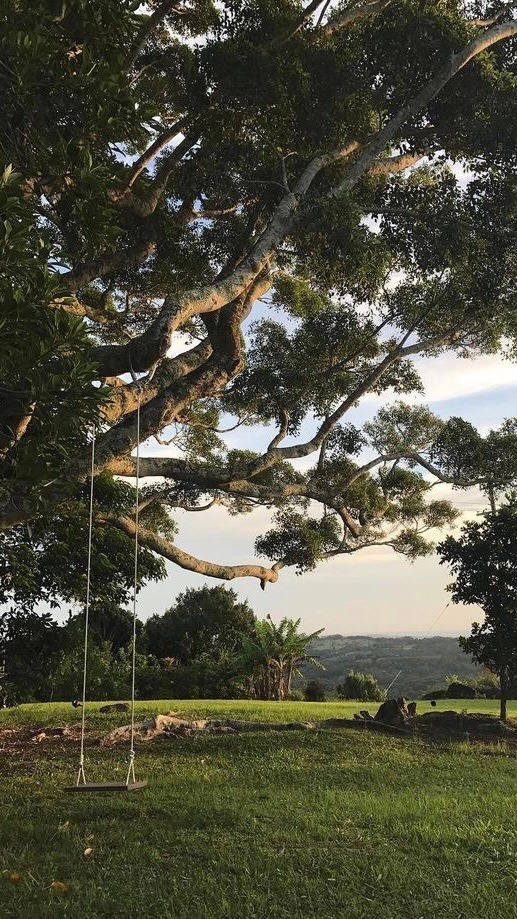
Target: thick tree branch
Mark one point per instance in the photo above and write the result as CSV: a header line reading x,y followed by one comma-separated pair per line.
x,y
282,431
394,164
150,24
76,308
153,150
153,344
341,21
451,480
189,562
107,264
416,105
170,404
124,398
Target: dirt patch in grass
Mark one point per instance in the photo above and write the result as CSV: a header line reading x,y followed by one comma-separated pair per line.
x,y
14,741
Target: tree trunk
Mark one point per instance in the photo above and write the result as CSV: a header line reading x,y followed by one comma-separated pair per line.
x,y
289,679
504,694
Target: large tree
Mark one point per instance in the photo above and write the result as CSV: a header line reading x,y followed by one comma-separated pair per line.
x,y
209,620
483,562
175,166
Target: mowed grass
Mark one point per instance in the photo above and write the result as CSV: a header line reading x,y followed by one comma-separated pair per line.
x,y
59,713
325,824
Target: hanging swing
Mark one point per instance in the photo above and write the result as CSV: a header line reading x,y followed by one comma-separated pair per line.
x,y
131,783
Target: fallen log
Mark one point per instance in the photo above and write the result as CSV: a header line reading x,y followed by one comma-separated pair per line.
x,y
171,725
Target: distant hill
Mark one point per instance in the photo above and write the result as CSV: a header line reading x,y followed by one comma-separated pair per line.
x,y
424,662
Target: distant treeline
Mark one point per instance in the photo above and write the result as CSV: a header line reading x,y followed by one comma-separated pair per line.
x,y
424,662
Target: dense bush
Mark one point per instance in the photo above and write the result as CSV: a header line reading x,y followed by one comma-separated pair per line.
x,y
435,694
484,686
192,651
360,686
457,690
296,695
314,691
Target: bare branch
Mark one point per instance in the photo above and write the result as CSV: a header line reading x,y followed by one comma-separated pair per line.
x,y
108,263
14,426
486,23
339,22
307,13
395,164
272,456
452,480
282,431
146,206
322,13
76,308
189,562
158,496
124,399
220,212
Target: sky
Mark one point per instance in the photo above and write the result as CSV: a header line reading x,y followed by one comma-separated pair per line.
x,y
374,591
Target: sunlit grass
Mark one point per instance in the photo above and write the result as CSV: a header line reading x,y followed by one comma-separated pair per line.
x,y
333,825
58,713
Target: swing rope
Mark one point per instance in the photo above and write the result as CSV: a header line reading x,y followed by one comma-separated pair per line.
x,y
81,778
131,769
80,773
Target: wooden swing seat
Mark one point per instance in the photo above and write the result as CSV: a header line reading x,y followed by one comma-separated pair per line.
x,y
106,787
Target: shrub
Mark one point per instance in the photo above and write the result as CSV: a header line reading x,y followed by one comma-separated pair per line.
x,y
457,690
109,677
362,687
314,691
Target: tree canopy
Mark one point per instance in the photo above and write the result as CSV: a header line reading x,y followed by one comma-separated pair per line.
x,y
209,620
342,173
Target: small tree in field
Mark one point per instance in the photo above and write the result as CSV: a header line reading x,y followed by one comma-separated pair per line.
x,y
272,656
314,691
483,562
360,686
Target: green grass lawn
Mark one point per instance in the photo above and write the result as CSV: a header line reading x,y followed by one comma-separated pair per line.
x,y
60,713
327,824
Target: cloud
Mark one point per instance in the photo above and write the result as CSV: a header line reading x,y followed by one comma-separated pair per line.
x,y
450,376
